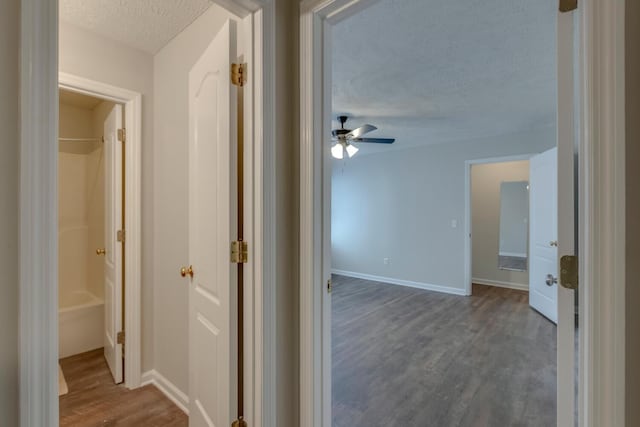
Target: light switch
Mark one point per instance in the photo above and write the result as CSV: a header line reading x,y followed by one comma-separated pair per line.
x,y
454,223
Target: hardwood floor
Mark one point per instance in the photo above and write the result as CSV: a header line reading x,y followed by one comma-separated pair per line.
x,y
94,400
408,357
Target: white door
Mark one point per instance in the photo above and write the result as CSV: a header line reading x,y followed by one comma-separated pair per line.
x,y
212,226
543,266
113,248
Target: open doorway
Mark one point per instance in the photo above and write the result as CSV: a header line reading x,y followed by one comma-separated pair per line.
x,y
499,211
406,336
411,344
127,83
88,129
95,259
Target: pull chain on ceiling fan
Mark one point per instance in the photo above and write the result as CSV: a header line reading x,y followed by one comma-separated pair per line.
x,y
346,137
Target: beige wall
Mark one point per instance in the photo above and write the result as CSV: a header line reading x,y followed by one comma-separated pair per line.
x,y
97,58
485,226
171,193
74,122
81,199
9,177
72,228
632,83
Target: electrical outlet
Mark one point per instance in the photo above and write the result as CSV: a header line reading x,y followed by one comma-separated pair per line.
x,y
385,261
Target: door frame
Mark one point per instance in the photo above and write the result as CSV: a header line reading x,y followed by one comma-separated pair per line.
x,y
601,399
132,104
38,260
468,212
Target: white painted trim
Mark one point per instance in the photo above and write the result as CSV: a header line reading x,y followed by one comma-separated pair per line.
x,y
602,157
260,294
566,135
513,254
468,242
401,282
38,248
501,159
602,214
264,251
169,389
132,211
501,284
38,206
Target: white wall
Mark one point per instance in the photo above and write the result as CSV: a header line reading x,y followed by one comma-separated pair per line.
x,y
171,129
88,55
485,224
171,67
9,186
400,204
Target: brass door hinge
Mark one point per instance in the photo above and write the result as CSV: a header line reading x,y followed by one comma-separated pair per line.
x,y
569,272
120,337
238,74
239,252
329,286
240,422
122,135
568,5
121,236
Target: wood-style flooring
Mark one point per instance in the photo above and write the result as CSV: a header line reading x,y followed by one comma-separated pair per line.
x,y
409,357
94,400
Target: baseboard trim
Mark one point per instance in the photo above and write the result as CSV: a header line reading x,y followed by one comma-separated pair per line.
x,y
401,282
513,254
167,388
500,284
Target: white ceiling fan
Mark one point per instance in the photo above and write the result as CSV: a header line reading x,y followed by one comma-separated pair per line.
x,y
344,139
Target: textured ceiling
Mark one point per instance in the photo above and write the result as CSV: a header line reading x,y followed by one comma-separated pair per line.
x,y
78,100
433,71
144,24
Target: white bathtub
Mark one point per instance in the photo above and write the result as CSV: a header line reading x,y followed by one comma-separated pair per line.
x,y
80,323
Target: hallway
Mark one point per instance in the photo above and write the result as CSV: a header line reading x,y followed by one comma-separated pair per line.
x,y
94,400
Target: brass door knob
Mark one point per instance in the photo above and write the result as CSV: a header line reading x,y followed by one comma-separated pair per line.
x,y
184,271
100,251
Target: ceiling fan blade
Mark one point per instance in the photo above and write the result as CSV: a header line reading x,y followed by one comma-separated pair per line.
x,y
356,133
375,140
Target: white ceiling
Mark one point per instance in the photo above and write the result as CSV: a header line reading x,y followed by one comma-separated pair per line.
x,y
433,71
144,24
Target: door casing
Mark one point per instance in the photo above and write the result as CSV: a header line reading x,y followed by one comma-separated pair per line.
x,y
38,196
601,131
132,102
468,231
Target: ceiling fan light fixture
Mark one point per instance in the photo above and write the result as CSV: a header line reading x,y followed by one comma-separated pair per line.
x,y
337,151
351,150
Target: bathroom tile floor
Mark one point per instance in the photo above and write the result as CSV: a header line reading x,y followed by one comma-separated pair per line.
x,y
94,400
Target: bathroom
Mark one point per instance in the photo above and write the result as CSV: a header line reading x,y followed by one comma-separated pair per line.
x,y
81,224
